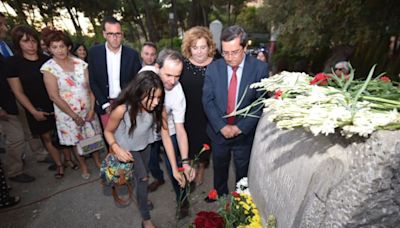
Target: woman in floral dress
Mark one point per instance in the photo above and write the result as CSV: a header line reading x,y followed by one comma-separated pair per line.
x,y
67,83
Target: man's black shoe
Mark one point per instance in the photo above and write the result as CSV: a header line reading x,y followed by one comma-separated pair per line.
x,y
155,184
208,200
22,178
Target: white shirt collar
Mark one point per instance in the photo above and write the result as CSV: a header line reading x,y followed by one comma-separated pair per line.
x,y
111,52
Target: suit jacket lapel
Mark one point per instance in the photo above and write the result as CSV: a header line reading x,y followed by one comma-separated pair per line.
x,y
123,65
223,88
103,59
246,78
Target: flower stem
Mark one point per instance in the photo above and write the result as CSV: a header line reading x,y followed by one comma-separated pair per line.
x,y
397,103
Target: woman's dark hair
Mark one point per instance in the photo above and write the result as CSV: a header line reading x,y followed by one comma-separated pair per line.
x,y
55,36
143,85
75,48
19,32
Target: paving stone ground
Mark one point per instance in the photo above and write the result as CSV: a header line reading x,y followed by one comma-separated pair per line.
x,y
74,202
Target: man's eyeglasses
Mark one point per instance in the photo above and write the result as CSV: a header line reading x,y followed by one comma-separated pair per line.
x,y
340,69
114,34
232,53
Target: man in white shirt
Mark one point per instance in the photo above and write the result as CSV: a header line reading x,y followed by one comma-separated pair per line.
x,y
169,65
111,67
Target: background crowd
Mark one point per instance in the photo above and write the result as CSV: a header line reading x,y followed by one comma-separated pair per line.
x,y
54,92
151,106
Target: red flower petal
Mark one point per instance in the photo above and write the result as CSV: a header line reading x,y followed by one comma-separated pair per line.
x,y
385,79
235,194
208,219
278,94
320,79
181,169
206,147
213,194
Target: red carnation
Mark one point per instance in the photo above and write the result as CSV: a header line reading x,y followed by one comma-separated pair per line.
x,y
278,94
181,169
206,147
208,219
320,79
385,79
213,195
235,194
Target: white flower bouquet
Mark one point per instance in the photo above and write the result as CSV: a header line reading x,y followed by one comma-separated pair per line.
x,y
327,102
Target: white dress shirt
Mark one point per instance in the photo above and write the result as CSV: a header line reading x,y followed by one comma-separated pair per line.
x,y
113,70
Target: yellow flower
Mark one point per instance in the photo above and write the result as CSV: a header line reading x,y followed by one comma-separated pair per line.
x,y
246,207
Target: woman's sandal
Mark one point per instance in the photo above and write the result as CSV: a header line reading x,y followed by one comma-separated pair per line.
x,y
71,164
60,172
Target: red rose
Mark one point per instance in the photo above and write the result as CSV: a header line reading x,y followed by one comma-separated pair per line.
x,y
181,169
235,194
320,79
278,94
385,79
208,219
206,147
213,195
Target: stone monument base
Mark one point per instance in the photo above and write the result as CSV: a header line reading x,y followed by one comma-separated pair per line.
x,y
325,181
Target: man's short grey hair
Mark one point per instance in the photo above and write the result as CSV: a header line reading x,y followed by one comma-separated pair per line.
x,y
168,54
232,32
344,66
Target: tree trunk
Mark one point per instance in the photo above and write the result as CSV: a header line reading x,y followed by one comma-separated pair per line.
x,y
96,29
75,22
137,18
174,28
18,8
43,12
150,22
229,12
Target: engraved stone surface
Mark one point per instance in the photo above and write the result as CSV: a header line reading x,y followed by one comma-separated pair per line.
x,y
326,181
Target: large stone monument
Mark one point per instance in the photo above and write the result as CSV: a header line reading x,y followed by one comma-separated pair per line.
x,y
325,181
216,29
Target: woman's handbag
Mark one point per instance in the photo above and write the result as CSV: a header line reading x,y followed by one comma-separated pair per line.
x,y
115,173
90,143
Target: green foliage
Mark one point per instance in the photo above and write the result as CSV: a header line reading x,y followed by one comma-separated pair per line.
x,y
250,19
313,29
166,43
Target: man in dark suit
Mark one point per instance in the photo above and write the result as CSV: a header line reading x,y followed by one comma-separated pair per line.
x,y
224,86
111,67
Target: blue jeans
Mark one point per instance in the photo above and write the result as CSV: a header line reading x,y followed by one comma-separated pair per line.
x,y
155,165
141,160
